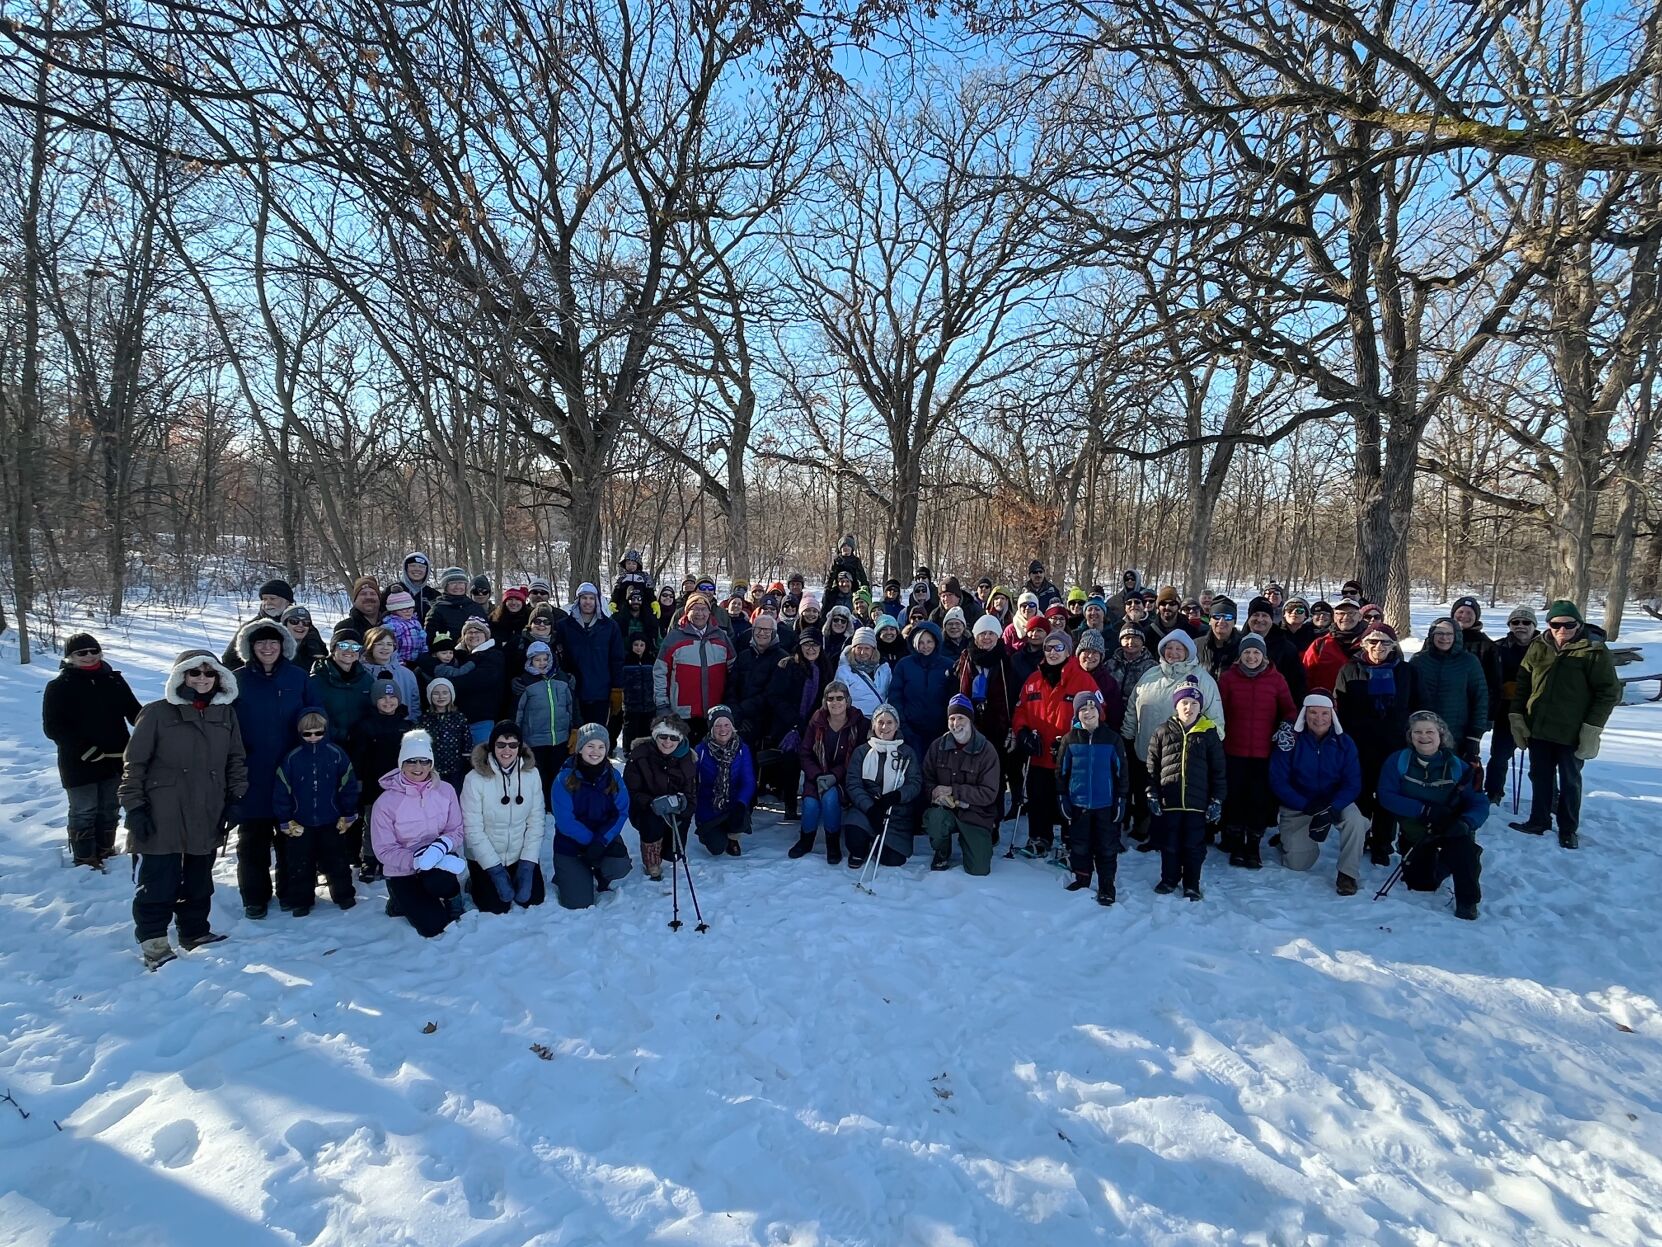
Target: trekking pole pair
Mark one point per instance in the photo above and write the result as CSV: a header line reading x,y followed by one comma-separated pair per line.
x,y
864,882
679,864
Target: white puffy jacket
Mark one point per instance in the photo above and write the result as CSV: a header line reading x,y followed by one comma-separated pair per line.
x,y
498,834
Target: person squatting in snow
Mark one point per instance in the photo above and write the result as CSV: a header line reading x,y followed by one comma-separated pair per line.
x,y
439,739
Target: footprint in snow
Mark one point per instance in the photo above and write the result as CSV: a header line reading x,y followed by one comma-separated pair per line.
x,y
175,1144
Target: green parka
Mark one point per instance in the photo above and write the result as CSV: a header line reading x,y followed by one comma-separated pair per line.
x,y
1561,688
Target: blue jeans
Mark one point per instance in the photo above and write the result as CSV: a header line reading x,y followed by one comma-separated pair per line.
x,y
481,731
827,809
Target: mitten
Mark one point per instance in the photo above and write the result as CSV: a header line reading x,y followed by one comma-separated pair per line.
x,y
524,877
1520,729
429,857
1214,811
824,784
453,864
140,823
292,829
664,806
594,851
791,741
1154,807
1321,822
1589,746
504,885
1029,743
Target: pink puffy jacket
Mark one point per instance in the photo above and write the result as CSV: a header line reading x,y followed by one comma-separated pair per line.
x,y
410,816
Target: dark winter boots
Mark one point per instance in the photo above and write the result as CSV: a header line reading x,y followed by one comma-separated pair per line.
x,y
833,848
804,845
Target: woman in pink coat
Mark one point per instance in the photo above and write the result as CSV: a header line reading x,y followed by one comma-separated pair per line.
x,y
417,831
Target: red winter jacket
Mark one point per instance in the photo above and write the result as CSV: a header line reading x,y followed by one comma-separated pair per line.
x,y
1048,709
1326,657
1254,706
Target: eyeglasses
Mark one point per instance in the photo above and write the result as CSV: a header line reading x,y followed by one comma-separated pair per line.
x,y
1442,634
1387,642
84,653
311,733
348,647
835,697
1562,625
201,673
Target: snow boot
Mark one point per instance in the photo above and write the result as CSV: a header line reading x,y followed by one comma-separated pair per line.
x,y
1165,889
394,909
201,941
834,847
370,872
652,860
255,912
733,849
1467,912
157,952
804,845
1530,828
300,911
1569,840
1346,886
1193,892
1252,850
1105,896
1379,848
1079,883
1236,840
941,861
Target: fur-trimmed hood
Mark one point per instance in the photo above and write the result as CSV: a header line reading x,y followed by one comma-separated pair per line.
x,y
245,639
223,696
485,764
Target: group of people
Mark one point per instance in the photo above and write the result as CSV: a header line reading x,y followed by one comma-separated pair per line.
x,y
440,735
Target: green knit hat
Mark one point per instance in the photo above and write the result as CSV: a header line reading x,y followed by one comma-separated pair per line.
x,y
1563,607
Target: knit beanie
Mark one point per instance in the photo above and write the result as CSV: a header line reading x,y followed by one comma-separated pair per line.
x,y
1091,639
440,641
865,636
1252,640
400,600
1090,697
955,613
1258,605
959,704
592,731
440,682
1168,593
886,621
1063,638
382,688
344,632
720,712
1468,600
81,640
449,574
415,746
1564,608
360,584
1037,624
277,588
1524,613
1186,689
505,727
988,623
296,613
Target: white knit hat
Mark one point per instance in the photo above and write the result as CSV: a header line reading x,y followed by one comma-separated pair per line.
x,y
988,623
866,636
415,745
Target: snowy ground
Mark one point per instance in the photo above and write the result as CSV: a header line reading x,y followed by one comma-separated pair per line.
x,y
953,1061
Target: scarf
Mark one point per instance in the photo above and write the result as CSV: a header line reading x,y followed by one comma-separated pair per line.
x,y
867,669
723,756
810,693
1252,673
882,765
1052,672
1382,682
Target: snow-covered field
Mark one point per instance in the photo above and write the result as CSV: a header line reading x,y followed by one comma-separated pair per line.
x,y
952,1061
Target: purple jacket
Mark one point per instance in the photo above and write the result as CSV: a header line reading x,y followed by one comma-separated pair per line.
x,y
409,817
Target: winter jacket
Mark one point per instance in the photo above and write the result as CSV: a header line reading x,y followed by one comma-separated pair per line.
x,y
1048,594
412,637
508,626
498,834
1510,654
1045,706
593,654
644,624
480,679
1090,769
1112,710
920,689
86,713
409,816
984,677
545,708
1255,705
864,794
851,564
360,622
691,673
1286,655
1024,661
741,782
425,594
315,785
1439,790
752,678
1149,704
649,774
973,773
409,688
1218,656
1455,686
868,691
1128,671
1482,647
1376,716
1559,689
452,743
235,656
186,765
637,686
586,808
1328,655
826,751
1309,773
1186,769
373,748
268,709
795,693
449,612
343,696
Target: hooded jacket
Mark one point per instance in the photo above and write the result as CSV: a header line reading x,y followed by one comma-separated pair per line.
x,y
186,764
691,673
1149,704
1455,685
587,807
1046,707
425,595
545,709
1186,769
1090,769
920,689
86,713
409,816
498,834
1422,790
343,697
316,783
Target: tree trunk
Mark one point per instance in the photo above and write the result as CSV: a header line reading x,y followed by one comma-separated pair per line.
x,y
908,483
586,477
1382,525
738,516
28,405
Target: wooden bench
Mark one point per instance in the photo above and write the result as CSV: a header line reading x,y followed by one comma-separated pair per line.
x,y
1641,679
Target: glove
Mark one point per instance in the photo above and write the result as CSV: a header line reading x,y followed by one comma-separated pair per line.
x,y
1472,752
617,701
1321,822
141,825
824,784
1028,742
595,851
667,805
1520,729
431,856
1154,807
1441,818
292,828
524,877
453,864
1589,746
504,885
343,824
791,741
1119,813
222,833
1214,811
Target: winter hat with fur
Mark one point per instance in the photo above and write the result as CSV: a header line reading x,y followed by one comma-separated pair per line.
x,y
225,692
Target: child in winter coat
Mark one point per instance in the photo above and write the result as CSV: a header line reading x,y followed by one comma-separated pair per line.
x,y
402,622
85,712
1090,774
316,803
373,747
1257,701
637,688
589,810
661,776
417,830
1186,789
452,740
382,662
726,784
545,707
502,817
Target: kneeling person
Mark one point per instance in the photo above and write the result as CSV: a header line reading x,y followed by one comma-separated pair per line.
x,y
590,807
1439,807
502,821
885,783
726,785
961,778
416,829
1316,775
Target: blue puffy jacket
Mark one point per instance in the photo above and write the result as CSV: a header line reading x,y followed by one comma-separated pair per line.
x,y
1310,773
920,689
593,655
315,785
741,782
587,808
1090,769
1435,793
268,706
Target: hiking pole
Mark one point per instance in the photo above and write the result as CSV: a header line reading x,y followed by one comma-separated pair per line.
x,y
1395,875
674,893
1517,778
681,852
864,882
1021,808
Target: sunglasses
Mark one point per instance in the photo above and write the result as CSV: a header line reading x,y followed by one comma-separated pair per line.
x,y
480,593
835,697
311,733
418,762
1386,641
348,647
1193,610
83,653
1562,625
1056,649
505,742
1225,618
201,673
670,738
1296,610
1374,616
539,593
